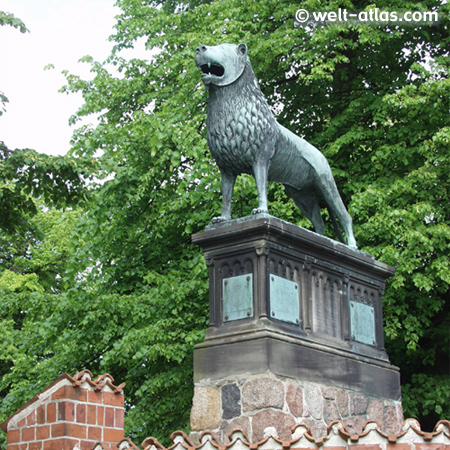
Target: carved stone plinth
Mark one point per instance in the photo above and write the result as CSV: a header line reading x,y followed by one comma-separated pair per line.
x,y
289,305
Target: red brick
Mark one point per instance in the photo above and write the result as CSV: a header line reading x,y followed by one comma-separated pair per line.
x,y
109,417
58,430
43,432
119,418
40,414
112,435
60,444
95,397
89,445
431,446
76,431
100,415
28,434
112,399
91,414
364,447
14,447
70,393
31,419
95,434
17,447
398,447
22,423
51,412
13,436
70,430
35,445
81,413
66,411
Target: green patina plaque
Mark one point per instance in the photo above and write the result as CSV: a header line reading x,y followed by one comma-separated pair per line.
x,y
362,322
284,304
237,297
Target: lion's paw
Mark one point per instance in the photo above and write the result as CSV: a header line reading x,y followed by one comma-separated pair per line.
x,y
259,211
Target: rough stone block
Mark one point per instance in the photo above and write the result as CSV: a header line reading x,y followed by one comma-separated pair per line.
x,y
393,418
342,403
314,401
358,405
317,428
262,393
375,411
241,423
354,425
329,393
294,400
205,412
330,411
231,397
282,422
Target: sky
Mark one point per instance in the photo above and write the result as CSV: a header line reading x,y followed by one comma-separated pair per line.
x,y
61,32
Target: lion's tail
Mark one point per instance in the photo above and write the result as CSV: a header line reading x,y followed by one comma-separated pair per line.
x,y
336,226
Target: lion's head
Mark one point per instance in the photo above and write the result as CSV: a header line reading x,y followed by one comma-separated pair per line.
x,y
222,64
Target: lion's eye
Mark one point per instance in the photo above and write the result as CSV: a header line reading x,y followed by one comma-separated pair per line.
x,y
212,69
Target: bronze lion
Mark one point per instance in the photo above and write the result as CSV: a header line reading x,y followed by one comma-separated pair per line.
x,y
244,137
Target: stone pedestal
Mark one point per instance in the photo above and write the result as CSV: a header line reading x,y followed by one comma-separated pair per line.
x,y
295,333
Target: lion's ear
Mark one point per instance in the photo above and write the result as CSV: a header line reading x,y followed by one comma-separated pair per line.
x,y
242,49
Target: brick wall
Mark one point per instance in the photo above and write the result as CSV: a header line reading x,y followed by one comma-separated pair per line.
x,y
73,412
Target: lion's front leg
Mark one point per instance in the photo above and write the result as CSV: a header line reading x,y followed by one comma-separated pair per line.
x,y
227,195
260,172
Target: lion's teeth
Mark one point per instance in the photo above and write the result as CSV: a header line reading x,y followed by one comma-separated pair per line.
x,y
209,65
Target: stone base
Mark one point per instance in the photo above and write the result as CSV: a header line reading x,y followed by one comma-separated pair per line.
x,y
295,334
268,404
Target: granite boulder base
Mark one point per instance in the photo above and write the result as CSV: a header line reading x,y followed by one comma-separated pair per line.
x,y
295,333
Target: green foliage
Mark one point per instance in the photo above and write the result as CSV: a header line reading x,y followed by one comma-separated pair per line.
x,y
427,396
26,175
9,19
124,291
146,339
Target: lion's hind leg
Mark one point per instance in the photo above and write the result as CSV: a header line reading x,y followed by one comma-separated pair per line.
x,y
307,201
336,206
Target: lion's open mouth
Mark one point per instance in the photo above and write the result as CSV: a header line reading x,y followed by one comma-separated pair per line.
x,y
212,69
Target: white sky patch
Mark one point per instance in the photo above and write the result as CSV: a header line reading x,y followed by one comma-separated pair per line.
x,y
61,32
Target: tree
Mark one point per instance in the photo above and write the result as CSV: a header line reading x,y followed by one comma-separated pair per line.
x,y
374,99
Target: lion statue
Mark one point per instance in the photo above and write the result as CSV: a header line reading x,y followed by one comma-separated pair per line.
x,y
244,137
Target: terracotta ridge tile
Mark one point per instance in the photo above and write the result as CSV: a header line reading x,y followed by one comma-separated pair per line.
x,y
276,439
445,426
392,438
442,427
238,430
183,435
261,442
307,434
213,439
130,443
85,376
96,445
150,441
